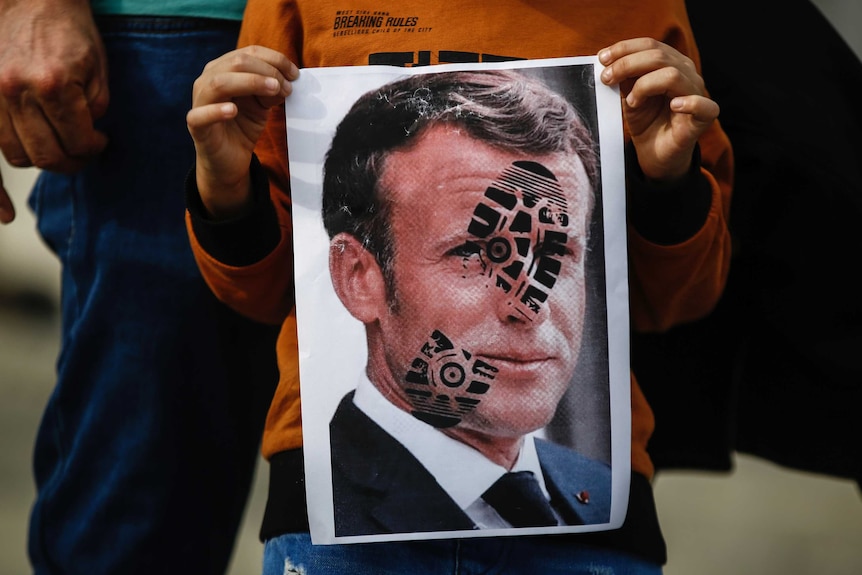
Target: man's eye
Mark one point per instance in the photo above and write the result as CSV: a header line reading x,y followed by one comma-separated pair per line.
x,y
552,249
557,245
466,250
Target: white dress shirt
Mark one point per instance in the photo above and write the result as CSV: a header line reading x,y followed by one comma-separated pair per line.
x,y
462,471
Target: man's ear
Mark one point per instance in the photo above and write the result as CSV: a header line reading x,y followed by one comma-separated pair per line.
x,y
357,278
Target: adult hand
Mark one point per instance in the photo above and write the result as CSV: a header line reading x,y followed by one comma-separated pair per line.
x,y
7,210
230,105
53,84
665,107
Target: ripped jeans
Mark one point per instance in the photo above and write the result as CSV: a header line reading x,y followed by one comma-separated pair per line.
x,y
293,554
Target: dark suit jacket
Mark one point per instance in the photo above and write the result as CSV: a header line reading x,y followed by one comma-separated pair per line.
x,y
379,487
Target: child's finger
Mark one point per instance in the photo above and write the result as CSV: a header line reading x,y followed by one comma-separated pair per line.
x,y
202,117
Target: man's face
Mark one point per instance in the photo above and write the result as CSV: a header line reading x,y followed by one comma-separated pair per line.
x,y
488,271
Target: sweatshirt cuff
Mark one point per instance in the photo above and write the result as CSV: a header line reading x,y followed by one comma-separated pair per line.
x,y
668,215
244,239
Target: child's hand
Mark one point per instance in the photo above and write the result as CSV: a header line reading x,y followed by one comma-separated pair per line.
x,y
230,104
666,107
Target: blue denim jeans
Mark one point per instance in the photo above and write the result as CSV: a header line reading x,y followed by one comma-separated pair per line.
x,y
293,554
147,446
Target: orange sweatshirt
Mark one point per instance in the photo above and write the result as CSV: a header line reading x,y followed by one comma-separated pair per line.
x,y
678,240
669,284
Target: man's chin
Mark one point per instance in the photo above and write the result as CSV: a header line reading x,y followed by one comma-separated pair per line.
x,y
511,425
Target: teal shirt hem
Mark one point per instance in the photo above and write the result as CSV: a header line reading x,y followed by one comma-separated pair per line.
x,y
221,9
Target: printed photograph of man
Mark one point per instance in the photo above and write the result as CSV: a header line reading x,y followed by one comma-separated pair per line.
x,y
459,206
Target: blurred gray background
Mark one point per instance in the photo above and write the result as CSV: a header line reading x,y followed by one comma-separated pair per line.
x,y
760,519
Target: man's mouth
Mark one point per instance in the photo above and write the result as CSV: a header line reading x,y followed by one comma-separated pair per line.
x,y
516,362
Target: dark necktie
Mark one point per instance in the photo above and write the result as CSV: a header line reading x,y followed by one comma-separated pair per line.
x,y
517,497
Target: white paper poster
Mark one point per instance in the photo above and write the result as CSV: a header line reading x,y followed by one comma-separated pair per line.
x,y
462,299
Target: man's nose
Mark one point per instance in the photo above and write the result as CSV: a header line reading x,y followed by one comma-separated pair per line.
x,y
524,306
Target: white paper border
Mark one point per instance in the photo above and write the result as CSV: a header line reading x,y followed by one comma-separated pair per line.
x,y
342,341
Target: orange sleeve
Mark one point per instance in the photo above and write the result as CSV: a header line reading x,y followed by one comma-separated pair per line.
x,y
262,291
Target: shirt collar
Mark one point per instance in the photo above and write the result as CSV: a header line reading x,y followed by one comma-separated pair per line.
x,y
463,472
